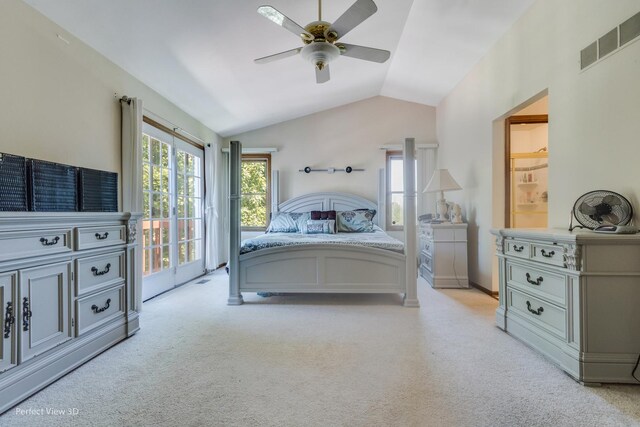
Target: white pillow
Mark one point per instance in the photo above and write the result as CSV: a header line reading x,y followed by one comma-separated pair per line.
x,y
319,226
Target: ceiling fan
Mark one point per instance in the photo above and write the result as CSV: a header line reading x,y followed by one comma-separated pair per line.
x,y
320,38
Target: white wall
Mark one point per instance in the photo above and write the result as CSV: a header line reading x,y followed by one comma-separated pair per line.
x,y
350,135
58,99
593,116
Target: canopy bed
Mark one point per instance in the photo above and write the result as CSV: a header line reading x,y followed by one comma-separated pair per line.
x,y
367,262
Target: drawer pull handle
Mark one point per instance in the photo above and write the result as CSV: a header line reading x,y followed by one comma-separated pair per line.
x,y
102,236
9,319
518,248
534,282
26,314
97,310
101,273
537,312
46,242
547,255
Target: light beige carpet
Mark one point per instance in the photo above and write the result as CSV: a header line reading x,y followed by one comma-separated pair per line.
x,y
313,360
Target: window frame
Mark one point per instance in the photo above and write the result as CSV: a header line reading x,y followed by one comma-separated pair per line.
x,y
255,158
391,155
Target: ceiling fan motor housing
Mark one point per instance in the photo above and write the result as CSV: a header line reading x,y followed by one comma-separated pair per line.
x,y
320,53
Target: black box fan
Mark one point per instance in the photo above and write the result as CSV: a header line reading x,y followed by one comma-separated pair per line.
x,y
601,208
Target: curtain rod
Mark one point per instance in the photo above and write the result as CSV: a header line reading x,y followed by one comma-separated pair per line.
x,y
175,127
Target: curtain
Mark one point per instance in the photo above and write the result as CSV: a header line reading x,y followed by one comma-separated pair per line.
x,y
132,180
212,222
131,154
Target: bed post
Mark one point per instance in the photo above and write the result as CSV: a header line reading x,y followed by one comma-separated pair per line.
x,y
411,294
235,169
382,199
275,191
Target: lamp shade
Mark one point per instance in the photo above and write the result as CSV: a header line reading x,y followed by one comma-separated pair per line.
x,y
441,181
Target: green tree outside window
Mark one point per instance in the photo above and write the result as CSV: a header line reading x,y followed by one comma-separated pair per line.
x,y
255,185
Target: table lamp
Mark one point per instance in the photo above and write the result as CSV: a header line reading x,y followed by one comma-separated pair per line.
x,y
441,181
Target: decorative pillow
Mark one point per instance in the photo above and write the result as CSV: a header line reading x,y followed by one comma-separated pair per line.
x,y
357,221
287,222
373,211
319,226
315,215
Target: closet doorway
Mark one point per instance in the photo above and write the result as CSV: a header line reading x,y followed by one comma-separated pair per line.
x,y
527,166
172,224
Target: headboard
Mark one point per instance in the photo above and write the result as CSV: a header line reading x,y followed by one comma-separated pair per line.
x,y
328,201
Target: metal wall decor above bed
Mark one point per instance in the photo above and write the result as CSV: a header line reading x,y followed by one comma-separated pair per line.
x,y
347,169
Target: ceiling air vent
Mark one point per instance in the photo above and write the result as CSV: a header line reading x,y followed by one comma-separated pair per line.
x,y
610,42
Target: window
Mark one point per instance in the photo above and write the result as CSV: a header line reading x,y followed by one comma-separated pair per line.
x,y
156,176
395,190
256,173
173,220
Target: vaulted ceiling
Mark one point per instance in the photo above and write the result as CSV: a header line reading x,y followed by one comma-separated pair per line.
x,y
199,53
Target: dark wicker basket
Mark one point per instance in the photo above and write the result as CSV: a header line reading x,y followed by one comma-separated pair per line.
x,y
97,191
52,187
13,183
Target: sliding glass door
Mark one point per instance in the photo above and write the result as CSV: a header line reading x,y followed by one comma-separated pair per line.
x,y
189,191
172,214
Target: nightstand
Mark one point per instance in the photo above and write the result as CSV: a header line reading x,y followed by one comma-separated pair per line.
x,y
443,254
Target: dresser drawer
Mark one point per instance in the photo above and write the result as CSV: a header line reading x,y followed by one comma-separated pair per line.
x,y
20,244
545,315
548,254
538,282
426,274
428,247
427,262
517,248
98,272
99,237
98,309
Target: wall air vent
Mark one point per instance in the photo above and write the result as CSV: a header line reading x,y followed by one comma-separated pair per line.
x,y
608,43
624,33
630,29
588,55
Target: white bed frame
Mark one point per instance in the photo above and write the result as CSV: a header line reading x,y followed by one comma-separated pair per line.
x,y
324,268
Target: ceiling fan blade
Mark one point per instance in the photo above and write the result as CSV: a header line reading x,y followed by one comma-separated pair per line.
x,y
276,56
354,16
366,53
273,14
322,76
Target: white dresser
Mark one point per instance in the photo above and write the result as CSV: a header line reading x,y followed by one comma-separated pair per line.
x,y
443,254
69,289
574,297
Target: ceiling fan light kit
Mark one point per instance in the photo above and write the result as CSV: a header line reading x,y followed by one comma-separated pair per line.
x,y
320,53
320,37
